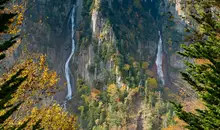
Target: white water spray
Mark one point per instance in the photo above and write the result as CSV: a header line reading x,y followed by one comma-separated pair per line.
x,y
67,69
159,60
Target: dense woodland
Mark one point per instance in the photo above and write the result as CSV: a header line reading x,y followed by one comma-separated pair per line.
x,y
28,86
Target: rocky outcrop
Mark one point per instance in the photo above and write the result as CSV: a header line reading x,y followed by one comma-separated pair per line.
x,y
107,39
45,30
173,36
87,66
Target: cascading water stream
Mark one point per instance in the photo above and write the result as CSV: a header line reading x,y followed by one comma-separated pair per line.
x,y
67,69
159,60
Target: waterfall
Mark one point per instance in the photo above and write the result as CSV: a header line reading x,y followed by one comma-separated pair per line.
x,y
67,69
118,77
159,60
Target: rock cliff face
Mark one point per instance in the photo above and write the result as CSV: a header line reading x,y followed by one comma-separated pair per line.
x,y
114,38
111,32
101,31
45,27
110,37
173,31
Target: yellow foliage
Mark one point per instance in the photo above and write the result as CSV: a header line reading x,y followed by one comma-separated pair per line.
x,y
17,21
123,87
152,82
145,65
86,98
40,78
202,61
131,93
190,105
14,24
39,85
178,126
101,36
126,67
112,89
52,118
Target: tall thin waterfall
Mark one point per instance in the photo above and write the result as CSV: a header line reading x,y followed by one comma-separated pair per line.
x,y
67,69
159,60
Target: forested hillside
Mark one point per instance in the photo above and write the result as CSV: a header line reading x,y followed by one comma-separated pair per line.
x,y
109,64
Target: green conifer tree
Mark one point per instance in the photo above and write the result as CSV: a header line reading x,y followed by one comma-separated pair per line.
x,y
4,26
10,86
203,77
